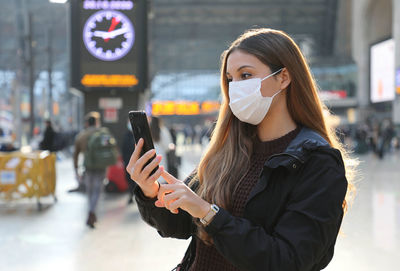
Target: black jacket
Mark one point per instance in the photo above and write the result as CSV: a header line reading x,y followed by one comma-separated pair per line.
x,y
291,219
48,139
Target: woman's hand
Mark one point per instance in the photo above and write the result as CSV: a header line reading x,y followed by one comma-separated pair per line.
x,y
176,194
141,174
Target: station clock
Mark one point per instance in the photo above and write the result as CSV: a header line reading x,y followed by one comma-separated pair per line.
x,y
108,35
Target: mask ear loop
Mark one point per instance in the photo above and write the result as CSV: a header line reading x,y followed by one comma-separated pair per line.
x,y
272,74
273,96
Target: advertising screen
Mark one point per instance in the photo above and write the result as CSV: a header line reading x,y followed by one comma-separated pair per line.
x,y
382,72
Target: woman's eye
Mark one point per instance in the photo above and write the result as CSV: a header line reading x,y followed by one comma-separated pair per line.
x,y
245,75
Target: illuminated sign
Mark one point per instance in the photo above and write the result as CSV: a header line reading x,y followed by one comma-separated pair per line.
x,y
105,103
106,80
382,71
183,107
119,5
398,81
327,95
210,107
108,44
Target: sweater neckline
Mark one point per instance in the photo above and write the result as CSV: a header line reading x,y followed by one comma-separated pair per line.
x,y
275,145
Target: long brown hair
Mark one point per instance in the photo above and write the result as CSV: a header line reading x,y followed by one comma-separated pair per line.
x,y
228,156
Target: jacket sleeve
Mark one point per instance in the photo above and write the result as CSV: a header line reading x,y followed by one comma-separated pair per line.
x,y
180,226
303,234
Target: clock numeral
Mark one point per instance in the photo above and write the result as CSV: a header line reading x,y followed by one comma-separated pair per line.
x,y
125,44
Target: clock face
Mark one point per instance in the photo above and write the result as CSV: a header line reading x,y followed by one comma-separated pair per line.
x,y
108,35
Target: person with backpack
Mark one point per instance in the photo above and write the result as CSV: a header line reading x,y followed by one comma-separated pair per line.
x,y
100,151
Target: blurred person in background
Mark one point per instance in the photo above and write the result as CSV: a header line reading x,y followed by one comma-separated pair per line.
x,y
99,149
128,146
386,134
48,139
161,138
172,131
164,145
270,192
92,122
188,132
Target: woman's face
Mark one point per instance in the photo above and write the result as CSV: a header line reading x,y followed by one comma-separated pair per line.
x,y
241,66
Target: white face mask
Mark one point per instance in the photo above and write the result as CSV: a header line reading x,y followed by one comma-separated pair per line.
x,y
246,101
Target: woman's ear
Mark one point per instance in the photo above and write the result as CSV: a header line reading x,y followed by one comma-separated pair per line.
x,y
285,78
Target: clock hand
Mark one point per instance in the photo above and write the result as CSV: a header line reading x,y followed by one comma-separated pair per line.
x,y
114,23
100,34
113,34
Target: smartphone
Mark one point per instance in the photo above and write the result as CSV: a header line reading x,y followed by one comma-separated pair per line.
x,y
141,129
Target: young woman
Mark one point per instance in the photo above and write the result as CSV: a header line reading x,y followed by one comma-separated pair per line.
x,y
269,194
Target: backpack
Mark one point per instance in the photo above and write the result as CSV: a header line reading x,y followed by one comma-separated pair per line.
x,y
101,150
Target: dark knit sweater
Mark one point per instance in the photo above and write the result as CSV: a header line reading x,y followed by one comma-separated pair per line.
x,y
207,257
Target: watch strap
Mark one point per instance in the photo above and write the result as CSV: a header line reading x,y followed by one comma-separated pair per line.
x,y
210,215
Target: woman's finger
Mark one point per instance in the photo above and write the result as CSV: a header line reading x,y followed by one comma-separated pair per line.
x,y
150,167
169,178
135,155
138,166
168,198
173,207
156,175
160,204
165,189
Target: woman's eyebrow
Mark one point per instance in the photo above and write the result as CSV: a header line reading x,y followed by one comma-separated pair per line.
x,y
244,66
241,67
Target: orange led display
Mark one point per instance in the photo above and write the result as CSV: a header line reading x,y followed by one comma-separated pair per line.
x,y
112,80
183,107
210,106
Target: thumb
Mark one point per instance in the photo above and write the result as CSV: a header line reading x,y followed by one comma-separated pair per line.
x,y
168,177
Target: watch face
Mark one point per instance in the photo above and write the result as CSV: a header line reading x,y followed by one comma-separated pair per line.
x,y
108,35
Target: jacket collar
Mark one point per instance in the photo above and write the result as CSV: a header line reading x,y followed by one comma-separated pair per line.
x,y
294,156
297,151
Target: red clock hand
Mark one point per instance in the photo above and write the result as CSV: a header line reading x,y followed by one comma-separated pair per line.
x,y
114,23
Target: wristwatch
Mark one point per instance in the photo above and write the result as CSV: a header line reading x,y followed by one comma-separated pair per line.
x,y
210,215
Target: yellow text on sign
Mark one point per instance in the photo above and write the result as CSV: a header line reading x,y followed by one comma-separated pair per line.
x,y
184,107
109,80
